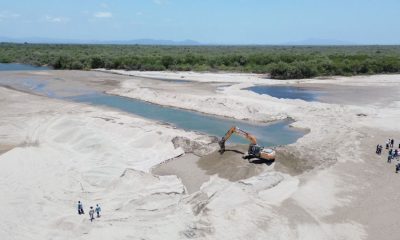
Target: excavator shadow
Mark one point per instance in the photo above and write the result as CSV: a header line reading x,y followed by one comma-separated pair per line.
x,y
250,159
262,161
231,150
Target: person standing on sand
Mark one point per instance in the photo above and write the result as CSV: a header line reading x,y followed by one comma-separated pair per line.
x,y
91,213
389,158
98,210
377,149
387,145
80,208
391,142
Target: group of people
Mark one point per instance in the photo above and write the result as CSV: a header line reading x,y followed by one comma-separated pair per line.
x,y
393,153
91,210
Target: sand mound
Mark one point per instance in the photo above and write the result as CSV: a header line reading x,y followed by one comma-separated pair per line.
x,y
199,148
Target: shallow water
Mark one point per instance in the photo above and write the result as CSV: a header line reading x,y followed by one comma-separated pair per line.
x,y
20,67
169,80
277,133
287,92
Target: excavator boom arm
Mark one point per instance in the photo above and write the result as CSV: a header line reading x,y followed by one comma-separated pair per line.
x,y
239,132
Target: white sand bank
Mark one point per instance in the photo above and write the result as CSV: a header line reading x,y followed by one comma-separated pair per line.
x,y
67,153
193,76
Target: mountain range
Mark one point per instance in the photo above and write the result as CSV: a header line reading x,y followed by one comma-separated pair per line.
x,y
143,41
149,41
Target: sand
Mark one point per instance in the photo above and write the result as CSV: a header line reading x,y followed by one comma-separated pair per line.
x,y
327,185
357,114
195,170
4,148
185,167
68,152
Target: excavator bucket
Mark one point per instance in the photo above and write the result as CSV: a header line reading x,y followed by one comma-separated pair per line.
x,y
222,145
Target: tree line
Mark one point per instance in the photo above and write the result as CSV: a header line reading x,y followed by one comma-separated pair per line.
x,y
280,62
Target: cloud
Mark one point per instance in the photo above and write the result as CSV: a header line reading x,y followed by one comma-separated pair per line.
x,y
103,15
104,5
160,2
139,13
8,15
52,19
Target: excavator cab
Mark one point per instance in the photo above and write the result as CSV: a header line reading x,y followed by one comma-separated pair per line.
x,y
254,150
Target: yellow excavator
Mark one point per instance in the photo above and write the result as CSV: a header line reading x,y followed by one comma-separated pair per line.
x,y
255,151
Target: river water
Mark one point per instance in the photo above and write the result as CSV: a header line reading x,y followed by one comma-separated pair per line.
x,y
20,67
277,133
288,92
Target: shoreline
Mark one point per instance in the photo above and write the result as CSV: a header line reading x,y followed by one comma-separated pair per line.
x,y
258,123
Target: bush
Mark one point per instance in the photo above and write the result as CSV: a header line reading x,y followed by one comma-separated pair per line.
x,y
97,62
282,62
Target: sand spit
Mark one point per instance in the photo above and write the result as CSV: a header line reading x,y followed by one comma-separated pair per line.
x,y
78,82
329,184
192,76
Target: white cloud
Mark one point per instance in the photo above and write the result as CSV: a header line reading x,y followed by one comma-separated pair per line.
x,y
139,13
52,19
102,15
160,2
8,15
104,5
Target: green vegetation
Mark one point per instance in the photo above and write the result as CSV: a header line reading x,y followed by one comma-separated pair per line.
x,y
281,62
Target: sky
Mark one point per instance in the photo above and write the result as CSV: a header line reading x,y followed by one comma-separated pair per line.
x,y
205,21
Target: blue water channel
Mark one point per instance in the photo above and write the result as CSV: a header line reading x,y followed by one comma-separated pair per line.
x,y
273,134
21,67
277,133
287,92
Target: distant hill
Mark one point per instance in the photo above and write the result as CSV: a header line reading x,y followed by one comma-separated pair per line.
x,y
156,42
77,41
320,42
188,42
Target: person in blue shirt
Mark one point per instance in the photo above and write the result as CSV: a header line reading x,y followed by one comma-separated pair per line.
x,y
98,210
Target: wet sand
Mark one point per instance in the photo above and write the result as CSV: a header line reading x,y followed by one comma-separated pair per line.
x,y
195,170
230,165
56,79
186,168
331,93
5,148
